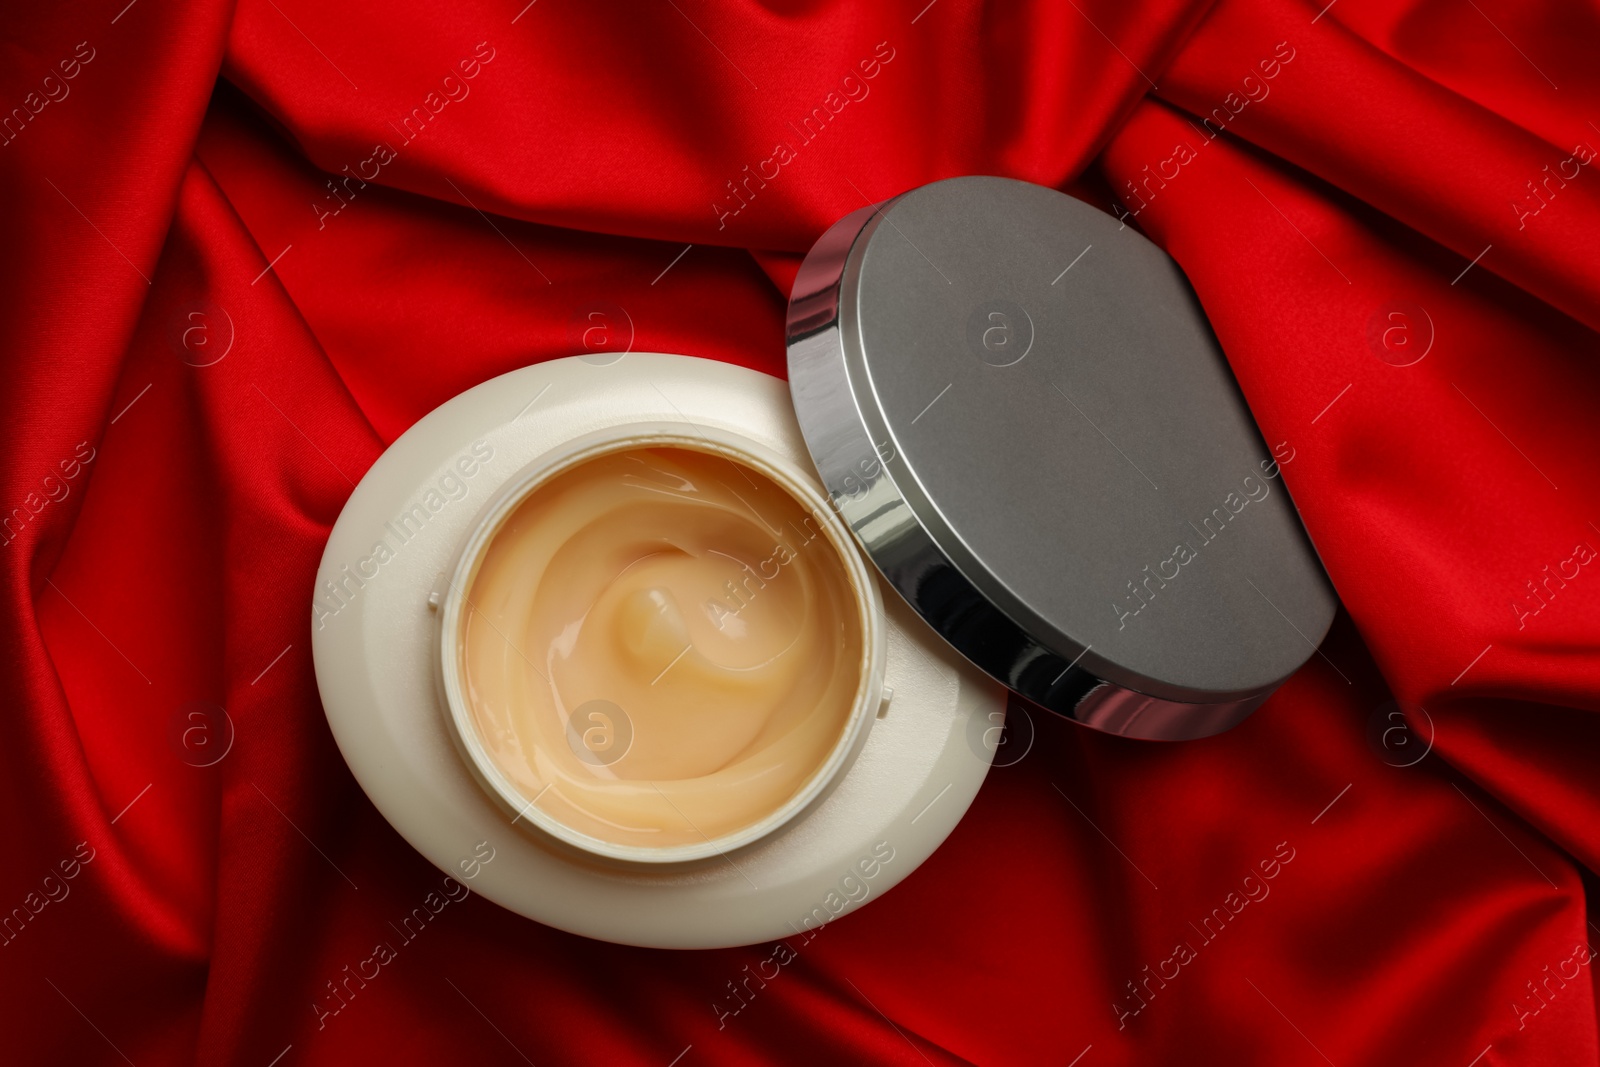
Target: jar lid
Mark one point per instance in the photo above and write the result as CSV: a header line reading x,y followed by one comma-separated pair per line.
x,y
1018,407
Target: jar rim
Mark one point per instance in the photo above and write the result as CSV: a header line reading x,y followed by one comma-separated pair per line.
x,y
458,578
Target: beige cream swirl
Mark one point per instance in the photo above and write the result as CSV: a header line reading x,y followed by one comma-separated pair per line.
x,y
661,646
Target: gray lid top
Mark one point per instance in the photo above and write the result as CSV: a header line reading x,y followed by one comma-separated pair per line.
x,y
1019,407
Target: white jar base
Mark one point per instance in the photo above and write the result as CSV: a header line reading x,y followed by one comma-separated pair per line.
x,y
374,650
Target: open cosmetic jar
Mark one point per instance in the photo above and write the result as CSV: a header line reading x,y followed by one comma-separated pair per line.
x,y
901,751
664,651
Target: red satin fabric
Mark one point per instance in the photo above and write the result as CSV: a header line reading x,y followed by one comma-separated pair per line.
x,y
163,520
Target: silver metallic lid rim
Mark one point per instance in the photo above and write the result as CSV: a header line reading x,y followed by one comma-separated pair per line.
x,y
855,457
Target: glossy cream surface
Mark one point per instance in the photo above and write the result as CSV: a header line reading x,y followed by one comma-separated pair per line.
x,y
660,647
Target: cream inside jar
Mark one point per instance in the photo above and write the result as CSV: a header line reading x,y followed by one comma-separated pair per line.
x,y
661,650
